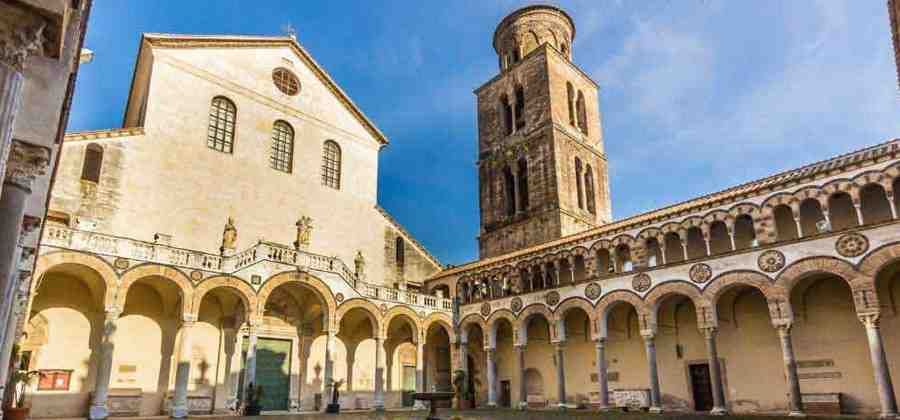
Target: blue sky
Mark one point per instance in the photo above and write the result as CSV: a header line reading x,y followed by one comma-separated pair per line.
x,y
696,95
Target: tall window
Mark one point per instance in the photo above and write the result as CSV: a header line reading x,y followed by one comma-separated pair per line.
x,y
220,135
400,253
282,147
578,183
523,184
589,189
582,113
570,93
331,165
509,191
506,110
93,163
520,108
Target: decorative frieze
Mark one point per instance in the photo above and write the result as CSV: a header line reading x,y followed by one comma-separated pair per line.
x,y
26,162
21,35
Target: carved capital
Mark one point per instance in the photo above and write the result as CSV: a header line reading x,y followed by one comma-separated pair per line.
x,y
22,36
783,327
870,320
189,318
648,334
709,332
26,162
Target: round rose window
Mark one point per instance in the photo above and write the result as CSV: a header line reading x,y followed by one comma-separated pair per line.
x,y
286,81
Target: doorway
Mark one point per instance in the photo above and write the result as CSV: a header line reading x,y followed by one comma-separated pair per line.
x,y
505,396
701,385
273,369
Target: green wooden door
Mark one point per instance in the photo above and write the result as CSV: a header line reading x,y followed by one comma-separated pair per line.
x,y
273,372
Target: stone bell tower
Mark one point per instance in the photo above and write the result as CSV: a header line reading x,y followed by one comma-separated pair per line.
x,y
541,166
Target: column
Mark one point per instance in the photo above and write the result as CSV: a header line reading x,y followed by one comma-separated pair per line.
x,y
799,227
731,237
99,409
602,385
684,251
561,373
250,362
827,216
880,366
328,374
715,374
491,370
305,344
229,346
523,389
790,369
661,244
572,268
650,346
890,197
516,199
708,245
183,370
420,370
11,324
379,374
859,216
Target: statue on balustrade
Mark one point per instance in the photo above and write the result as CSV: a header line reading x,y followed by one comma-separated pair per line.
x,y
304,232
360,263
229,237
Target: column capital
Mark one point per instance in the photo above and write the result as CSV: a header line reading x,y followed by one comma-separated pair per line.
x,y
783,328
112,313
648,334
600,342
24,38
709,331
188,318
870,320
26,162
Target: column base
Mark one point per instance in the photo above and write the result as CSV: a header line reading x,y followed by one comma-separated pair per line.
x,y
655,410
98,412
179,412
889,416
718,411
492,405
797,414
523,406
419,405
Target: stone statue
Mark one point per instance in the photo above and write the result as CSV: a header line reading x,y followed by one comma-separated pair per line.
x,y
229,236
304,232
360,263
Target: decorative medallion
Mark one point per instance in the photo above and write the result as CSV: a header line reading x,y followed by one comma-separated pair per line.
x,y
122,263
256,280
852,245
196,275
286,81
485,309
641,282
700,273
383,307
592,291
516,304
551,298
771,261
339,297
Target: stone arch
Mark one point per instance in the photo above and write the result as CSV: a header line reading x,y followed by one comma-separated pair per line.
x,y
368,308
691,221
305,280
706,316
650,232
103,269
872,264
614,299
872,177
530,311
491,323
862,287
839,186
577,303
778,199
443,321
147,270
401,311
717,216
244,291
466,323
775,295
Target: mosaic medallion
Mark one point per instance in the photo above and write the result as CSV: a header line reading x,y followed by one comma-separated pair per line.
x,y
485,309
196,275
641,282
700,273
551,298
592,291
771,261
852,245
121,263
516,304
339,297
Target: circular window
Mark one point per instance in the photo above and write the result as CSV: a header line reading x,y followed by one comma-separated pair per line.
x,y
286,81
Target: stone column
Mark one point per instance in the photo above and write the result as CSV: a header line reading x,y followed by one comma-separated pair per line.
x,y
378,404
561,373
799,227
229,346
328,374
250,362
827,216
602,383
523,389
790,369
650,346
684,250
305,344
20,303
420,370
715,374
880,366
661,244
516,199
893,205
99,408
16,44
491,370
731,237
706,240
859,215
183,370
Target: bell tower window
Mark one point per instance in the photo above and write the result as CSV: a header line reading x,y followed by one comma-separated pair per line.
x,y
520,108
506,111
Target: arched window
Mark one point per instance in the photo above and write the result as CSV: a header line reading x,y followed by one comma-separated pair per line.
x,y
605,264
509,191
719,242
812,219
570,99
654,253
400,253
841,211
282,157
696,246
520,108
578,183
93,163
785,227
506,111
220,134
874,204
623,259
331,165
674,250
523,184
589,189
744,234
582,113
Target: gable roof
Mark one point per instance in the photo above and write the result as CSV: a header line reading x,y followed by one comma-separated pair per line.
x,y
250,41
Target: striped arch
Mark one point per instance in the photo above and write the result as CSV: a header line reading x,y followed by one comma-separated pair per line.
x,y
572,304
691,221
401,311
305,280
530,311
837,186
155,270
706,316
601,244
892,172
492,326
618,297
442,320
872,177
239,286
47,262
778,199
862,287
775,295
873,263
718,216
369,308
466,324
650,232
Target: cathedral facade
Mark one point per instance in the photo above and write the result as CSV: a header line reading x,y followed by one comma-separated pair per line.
x,y
229,234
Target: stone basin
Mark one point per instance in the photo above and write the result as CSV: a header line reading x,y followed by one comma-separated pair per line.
x,y
431,397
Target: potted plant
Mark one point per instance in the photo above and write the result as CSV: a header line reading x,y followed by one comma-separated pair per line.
x,y
254,396
463,393
17,389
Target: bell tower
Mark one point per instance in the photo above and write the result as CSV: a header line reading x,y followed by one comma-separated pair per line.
x,y
541,166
